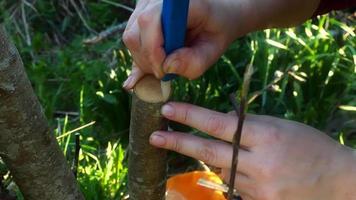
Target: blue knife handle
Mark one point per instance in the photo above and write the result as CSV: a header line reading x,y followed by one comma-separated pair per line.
x,y
174,24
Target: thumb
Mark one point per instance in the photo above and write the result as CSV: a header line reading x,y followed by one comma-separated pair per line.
x,y
192,62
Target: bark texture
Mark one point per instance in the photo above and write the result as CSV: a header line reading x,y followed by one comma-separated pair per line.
x,y
27,145
147,164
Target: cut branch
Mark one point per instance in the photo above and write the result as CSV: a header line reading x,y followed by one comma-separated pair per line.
x,y
27,145
147,164
106,34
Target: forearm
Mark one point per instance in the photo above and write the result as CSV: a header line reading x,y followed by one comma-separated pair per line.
x,y
282,13
253,15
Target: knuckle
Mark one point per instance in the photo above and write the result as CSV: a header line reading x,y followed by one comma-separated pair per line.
x,y
130,40
176,144
272,134
215,125
207,153
185,115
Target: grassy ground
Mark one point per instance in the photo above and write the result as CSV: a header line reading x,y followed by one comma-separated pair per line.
x,y
307,74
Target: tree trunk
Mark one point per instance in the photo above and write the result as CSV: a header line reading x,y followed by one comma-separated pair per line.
x,y
27,144
147,164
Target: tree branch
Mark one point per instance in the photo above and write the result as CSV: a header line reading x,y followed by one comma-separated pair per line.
x,y
27,144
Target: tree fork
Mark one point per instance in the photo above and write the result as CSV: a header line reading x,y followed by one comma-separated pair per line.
x,y
27,144
147,164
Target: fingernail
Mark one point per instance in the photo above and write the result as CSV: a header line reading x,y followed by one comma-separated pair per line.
x,y
173,66
127,82
167,110
157,139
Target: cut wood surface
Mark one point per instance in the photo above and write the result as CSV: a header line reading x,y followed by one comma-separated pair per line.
x,y
27,145
147,164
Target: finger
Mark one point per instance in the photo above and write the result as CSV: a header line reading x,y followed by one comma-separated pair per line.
x,y
131,38
136,75
212,152
131,35
152,38
140,7
133,42
216,124
241,179
191,62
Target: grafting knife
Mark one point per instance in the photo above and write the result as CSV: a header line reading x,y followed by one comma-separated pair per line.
x,y
174,24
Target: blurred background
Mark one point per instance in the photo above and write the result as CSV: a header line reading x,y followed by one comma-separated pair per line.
x,y
74,56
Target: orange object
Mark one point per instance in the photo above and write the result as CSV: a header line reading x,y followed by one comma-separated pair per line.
x,y
185,187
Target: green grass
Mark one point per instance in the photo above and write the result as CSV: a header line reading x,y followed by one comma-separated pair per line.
x,y
307,74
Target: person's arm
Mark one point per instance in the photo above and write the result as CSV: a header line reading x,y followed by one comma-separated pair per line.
x,y
282,13
326,6
212,26
278,159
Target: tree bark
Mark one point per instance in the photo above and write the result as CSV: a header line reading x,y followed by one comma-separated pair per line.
x,y
27,144
147,164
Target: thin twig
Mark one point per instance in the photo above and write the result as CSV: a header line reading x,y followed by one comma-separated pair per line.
x,y
240,112
31,6
26,27
81,16
58,80
236,142
256,94
18,29
106,33
76,154
65,5
58,112
25,24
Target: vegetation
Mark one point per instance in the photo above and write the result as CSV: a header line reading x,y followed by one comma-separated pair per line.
x,y
307,74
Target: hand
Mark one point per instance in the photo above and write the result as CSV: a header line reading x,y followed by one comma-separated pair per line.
x,y
212,26
278,159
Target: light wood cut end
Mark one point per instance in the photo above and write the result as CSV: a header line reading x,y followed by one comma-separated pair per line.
x,y
148,89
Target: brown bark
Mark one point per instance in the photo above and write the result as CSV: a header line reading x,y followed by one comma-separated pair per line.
x,y
27,144
147,164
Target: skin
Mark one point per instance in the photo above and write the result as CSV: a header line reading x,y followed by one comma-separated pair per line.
x,y
279,159
212,26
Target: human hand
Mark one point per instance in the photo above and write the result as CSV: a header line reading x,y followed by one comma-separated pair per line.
x,y
212,26
278,159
